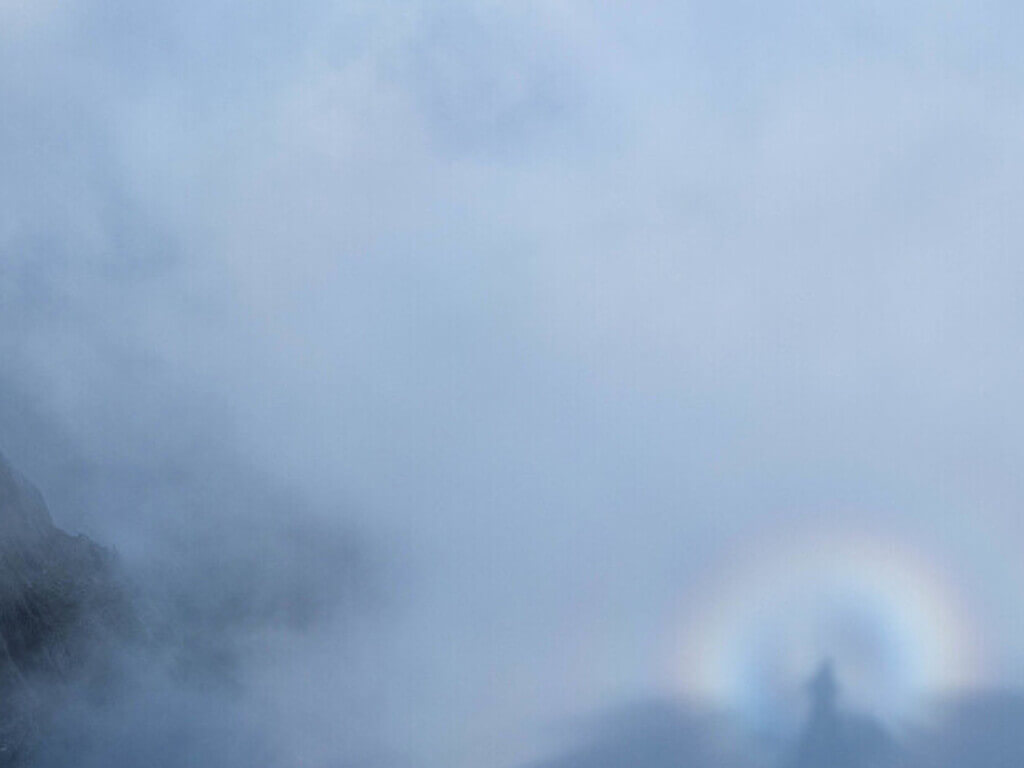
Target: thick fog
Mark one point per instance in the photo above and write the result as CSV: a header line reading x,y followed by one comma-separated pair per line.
x,y
443,373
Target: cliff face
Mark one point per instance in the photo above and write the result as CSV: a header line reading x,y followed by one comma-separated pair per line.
x,y
60,603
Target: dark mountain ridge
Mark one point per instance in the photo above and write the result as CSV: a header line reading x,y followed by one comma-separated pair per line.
x,y
61,601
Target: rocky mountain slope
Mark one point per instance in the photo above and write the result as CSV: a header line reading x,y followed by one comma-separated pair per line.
x,y
60,604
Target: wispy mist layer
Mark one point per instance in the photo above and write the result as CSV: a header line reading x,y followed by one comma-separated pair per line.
x,y
504,324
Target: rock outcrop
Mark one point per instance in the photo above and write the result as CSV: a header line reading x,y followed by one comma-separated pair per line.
x,y
61,604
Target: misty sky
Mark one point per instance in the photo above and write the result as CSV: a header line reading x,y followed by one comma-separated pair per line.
x,y
560,307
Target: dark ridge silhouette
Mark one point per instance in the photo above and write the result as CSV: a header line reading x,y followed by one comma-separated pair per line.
x,y
659,733
984,729
60,599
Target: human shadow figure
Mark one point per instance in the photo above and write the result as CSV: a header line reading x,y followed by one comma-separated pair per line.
x,y
821,742
833,739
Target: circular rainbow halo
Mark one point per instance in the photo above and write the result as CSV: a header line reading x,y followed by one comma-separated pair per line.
x,y
897,631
